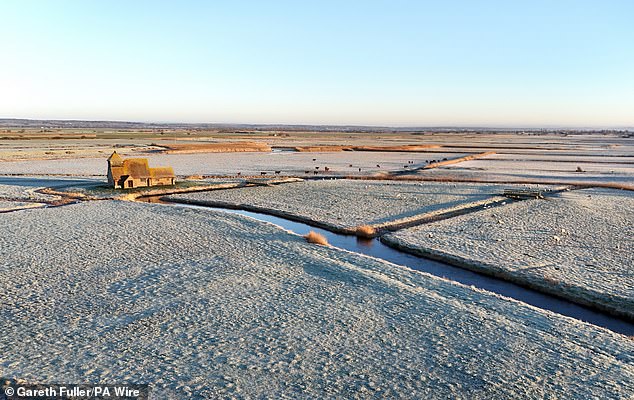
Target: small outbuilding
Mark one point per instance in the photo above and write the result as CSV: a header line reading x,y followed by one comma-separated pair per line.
x,y
136,172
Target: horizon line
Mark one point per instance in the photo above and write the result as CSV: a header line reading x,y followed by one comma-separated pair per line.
x,y
325,125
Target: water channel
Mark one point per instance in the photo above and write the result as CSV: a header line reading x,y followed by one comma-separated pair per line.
x,y
375,248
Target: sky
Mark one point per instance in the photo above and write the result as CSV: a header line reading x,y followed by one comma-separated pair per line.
x,y
390,63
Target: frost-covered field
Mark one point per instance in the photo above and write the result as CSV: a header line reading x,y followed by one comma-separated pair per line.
x,y
206,304
498,168
349,203
578,244
17,205
18,193
288,163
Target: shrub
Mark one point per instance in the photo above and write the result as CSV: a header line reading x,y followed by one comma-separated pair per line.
x,y
314,237
365,231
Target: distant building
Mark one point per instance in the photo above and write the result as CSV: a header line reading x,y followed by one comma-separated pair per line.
x,y
136,172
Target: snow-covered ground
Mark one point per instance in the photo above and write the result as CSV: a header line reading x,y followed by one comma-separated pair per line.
x,y
349,203
205,304
578,244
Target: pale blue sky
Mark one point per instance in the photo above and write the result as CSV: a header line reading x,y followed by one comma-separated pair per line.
x,y
496,63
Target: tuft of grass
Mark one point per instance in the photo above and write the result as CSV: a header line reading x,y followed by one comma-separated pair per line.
x,y
314,237
365,231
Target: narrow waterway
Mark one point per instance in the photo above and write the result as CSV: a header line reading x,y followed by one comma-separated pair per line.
x,y
374,248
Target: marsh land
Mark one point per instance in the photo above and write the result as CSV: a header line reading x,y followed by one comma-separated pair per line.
x,y
98,286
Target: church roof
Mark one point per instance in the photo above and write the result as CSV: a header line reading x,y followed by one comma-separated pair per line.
x,y
114,157
162,172
136,167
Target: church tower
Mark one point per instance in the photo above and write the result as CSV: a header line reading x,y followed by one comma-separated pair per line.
x,y
115,168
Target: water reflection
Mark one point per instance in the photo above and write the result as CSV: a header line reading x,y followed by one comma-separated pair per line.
x,y
375,248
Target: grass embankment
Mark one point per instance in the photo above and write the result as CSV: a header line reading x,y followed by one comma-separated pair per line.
x,y
228,147
334,148
458,160
104,192
33,136
402,148
190,187
520,181
311,149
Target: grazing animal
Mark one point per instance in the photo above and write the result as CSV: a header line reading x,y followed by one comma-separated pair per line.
x,y
314,159
359,169
239,173
405,166
316,167
306,172
350,165
262,173
314,172
326,169
277,172
378,166
444,159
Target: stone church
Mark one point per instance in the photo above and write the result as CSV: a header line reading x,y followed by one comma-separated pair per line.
x,y
136,172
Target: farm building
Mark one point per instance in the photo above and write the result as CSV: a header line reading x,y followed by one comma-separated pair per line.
x,y
136,172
